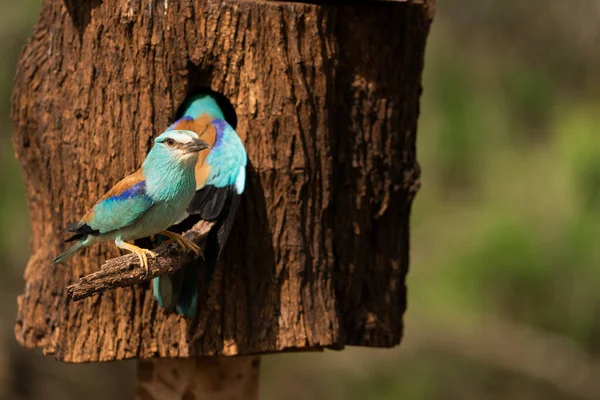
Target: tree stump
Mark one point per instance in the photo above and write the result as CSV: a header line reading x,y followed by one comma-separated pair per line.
x,y
327,101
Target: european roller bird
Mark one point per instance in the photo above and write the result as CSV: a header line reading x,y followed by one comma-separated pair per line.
x,y
146,202
220,181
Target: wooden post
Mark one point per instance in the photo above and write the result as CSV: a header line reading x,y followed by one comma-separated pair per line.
x,y
327,99
215,378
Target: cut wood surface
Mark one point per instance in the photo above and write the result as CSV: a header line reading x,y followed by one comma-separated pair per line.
x,y
208,378
327,100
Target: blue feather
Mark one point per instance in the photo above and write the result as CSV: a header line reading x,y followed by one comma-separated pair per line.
x,y
227,158
139,189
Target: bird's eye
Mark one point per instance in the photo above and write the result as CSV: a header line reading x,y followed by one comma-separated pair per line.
x,y
169,142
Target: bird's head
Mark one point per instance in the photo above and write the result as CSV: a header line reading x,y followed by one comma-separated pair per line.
x,y
181,145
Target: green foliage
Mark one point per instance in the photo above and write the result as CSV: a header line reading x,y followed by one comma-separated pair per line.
x,y
13,211
525,233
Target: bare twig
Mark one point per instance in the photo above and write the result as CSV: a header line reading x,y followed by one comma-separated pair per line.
x,y
126,271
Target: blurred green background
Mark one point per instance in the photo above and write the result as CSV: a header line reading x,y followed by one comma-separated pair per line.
x,y
504,299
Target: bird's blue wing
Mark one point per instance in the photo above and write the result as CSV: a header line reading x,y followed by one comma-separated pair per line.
x,y
122,210
121,206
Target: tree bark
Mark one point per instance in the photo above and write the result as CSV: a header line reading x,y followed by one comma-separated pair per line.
x,y
327,100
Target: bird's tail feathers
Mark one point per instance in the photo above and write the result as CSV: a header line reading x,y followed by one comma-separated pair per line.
x,y
70,252
187,304
166,290
178,291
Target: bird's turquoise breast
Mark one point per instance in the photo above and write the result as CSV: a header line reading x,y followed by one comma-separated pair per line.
x,y
158,218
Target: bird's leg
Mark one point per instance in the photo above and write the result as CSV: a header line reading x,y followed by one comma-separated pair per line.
x,y
140,252
182,241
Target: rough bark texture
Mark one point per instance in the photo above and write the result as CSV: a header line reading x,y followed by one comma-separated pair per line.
x,y
215,378
327,100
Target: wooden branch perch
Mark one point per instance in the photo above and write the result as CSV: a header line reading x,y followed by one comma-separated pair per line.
x,y
126,271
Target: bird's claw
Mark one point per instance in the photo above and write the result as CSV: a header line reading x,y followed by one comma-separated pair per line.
x,y
183,242
141,253
143,257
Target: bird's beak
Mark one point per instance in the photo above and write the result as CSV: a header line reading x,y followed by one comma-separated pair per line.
x,y
196,145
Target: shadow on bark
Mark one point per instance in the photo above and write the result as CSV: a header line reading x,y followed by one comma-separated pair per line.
x,y
80,12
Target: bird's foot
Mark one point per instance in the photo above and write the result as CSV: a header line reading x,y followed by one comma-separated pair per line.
x,y
144,253
141,253
184,243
